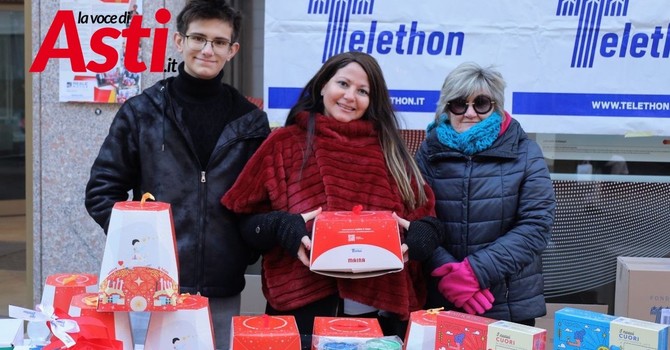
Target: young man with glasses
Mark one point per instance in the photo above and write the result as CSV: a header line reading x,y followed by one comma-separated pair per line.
x,y
185,140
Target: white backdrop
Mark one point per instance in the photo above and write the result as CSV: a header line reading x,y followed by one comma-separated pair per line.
x,y
571,66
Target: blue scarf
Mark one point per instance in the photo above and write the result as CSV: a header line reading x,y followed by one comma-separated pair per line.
x,y
474,140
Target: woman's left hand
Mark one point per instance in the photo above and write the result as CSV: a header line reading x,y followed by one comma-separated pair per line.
x,y
306,245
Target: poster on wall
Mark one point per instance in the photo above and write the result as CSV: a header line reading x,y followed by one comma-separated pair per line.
x,y
94,18
571,66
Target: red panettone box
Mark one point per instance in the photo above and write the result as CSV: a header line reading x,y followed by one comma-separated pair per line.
x,y
421,330
264,332
60,288
355,244
139,269
457,330
188,328
348,330
116,323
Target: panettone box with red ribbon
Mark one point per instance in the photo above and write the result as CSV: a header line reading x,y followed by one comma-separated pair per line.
x,y
187,328
351,331
139,269
116,323
264,332
355,244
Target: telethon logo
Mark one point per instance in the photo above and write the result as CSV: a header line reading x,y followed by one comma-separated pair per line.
x,y
65,20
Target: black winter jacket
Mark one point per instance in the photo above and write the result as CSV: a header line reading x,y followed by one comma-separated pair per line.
x,y
149,149
498,207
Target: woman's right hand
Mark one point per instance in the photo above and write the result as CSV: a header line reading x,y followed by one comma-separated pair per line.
x,y
306,242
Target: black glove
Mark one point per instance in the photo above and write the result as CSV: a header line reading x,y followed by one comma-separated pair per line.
x,y
423,237
264,231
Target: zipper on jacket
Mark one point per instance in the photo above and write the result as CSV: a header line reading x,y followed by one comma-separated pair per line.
x,y
203,177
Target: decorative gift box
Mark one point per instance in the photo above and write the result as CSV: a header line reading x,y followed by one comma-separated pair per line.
x,y
264,332
139,267
355,244
514,336
456,330
581,329
344,332
187,328
629,333
60,288
421,329
117,323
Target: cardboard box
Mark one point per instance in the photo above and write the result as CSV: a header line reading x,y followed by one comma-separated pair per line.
x,y
514,336
60,288
11,333
264,332
352,244
117,323
139,267
642,288
547,321
581,329
629,333
456,330
187,328
421,330
349,331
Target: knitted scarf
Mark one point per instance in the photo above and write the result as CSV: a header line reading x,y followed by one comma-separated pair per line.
x,y
474,140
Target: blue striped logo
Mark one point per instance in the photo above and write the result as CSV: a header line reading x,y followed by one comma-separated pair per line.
x,y
590,13
339,12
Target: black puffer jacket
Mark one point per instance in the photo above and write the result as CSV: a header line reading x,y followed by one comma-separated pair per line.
x,y
149,149
498,209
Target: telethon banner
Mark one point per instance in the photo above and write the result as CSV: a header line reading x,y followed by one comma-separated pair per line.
x,y
571,66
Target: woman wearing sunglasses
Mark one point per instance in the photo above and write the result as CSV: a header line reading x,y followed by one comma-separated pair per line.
x,y
494,201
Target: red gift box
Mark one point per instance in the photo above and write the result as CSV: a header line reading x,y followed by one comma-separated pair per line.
x,y
456,330
265,332
355,244
92,335
117,323
351,330
60,288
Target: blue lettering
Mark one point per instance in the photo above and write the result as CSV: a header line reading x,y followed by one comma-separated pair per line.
x,y
404,42
635,45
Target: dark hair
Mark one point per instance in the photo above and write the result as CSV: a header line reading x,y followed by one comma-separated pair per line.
x,y
380,112
209,9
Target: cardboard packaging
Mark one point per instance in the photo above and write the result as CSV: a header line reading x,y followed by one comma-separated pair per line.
x,y
547,321
629,333
139,267
264,332
456,330
187,328
117,323
11,333
514,336
581,329
355,244
642,288
345,331
421,330
60,288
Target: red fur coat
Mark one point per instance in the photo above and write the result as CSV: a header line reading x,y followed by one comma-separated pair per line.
x,y
346,168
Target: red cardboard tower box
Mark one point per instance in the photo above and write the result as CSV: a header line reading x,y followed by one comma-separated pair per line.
x,y
60,288
355,244
116,323
265,332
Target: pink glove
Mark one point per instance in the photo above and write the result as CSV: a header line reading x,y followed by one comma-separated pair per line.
x,y
458,282
480,302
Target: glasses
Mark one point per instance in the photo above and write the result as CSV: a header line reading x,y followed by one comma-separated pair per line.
x,y
482,105
198,42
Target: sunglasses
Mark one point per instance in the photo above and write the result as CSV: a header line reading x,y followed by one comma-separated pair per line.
x,y
482,105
